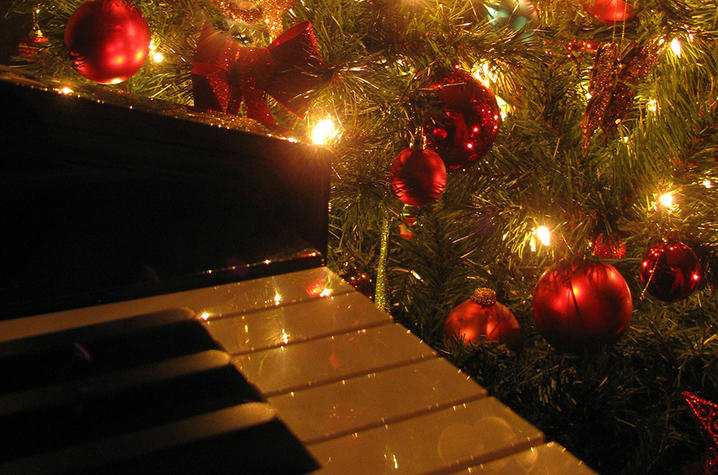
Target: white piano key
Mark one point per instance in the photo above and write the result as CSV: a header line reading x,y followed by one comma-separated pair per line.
x,y
208,302
294,367
294,323
453,438
372,400
547,459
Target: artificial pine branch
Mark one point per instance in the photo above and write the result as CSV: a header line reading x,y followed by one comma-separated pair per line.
x,y
619,408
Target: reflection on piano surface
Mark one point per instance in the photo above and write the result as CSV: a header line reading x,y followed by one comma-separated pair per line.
x,y
308,382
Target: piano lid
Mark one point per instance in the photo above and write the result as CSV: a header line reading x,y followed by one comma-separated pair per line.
x,y
106,202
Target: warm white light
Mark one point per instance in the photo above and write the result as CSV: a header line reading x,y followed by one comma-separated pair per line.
x,y
676,46
543,235
324,132
504,107
707,183
277,298
652,105
666,199
325,293
66,90
484,74
204,316
156,56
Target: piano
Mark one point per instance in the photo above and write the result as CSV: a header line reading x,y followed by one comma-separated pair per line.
x,y
171,312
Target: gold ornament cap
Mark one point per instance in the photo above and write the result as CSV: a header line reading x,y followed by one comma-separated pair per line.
x,y
484,297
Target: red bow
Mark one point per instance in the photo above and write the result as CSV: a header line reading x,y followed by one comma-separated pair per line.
x,y
224,73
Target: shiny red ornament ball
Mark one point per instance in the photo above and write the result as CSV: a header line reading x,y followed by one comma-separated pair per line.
x,y
581,305
671,270
483,318
469,120
108,40
417,177
608,11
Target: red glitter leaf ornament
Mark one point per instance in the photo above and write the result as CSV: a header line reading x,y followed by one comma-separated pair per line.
x,y
613,79
705,413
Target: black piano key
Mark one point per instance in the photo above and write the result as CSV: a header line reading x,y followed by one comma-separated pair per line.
x,y
72,357
126,410
247,438
261,449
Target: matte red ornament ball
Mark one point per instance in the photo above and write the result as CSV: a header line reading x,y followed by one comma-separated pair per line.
x,y
468,122
582,304
608,11
672,271
108,40
418,177
475,320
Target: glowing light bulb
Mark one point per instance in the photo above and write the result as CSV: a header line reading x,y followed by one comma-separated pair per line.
x,y
484,74
666,199
277,299
652,105
65,90
324,132
504,107
155,55
204,316
707,183
676,47
543,235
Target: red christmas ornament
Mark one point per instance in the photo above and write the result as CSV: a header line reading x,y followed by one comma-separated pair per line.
x,y
608,247
671,271
469,120
35,42
705,413
225,73
108,40
609,11
417,177
358,279
482,317
582,304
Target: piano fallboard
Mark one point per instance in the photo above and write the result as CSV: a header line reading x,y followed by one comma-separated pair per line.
x,y
327,378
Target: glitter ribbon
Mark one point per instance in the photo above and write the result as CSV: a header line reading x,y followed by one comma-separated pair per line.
x,y
225,73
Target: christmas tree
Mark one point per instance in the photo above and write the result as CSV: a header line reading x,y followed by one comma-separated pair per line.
x,y
563,154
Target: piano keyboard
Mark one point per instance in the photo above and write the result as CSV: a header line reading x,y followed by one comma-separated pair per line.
x,y
295,372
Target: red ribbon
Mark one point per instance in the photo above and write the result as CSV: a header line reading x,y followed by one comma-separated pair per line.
x,y
225,73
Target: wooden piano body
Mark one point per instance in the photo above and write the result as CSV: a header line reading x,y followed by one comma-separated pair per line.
x,y
328,382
